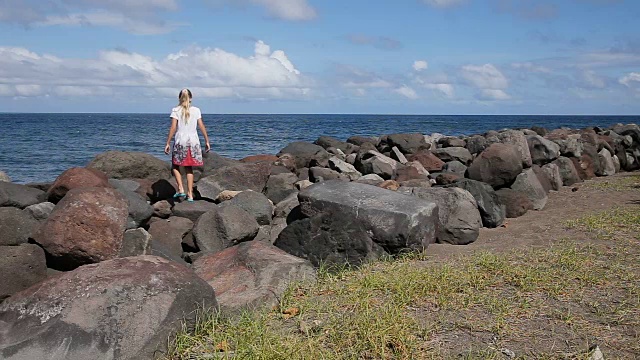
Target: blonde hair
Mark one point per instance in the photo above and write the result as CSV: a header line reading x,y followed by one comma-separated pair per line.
x,y
185,103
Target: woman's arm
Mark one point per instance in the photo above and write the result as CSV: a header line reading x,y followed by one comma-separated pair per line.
x,y
172,132
203,130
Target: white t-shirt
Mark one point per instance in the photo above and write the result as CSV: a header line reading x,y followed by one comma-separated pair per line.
x,y
187,132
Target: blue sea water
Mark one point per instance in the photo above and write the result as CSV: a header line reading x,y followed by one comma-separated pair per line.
x,y
38,147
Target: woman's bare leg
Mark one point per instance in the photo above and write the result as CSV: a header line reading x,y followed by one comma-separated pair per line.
x,y
189,171
176,172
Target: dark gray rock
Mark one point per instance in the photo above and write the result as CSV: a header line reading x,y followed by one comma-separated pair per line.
x,y
125,184
318,174
255,204
476,144
224,227
240,177
373,162
20,196
139,210
568,171
40,211
251,275
213,161
284,207
306,154
20,266
194,210
119,309
498,165
527,183
169,234
492,211
454,154
136,242
459,218
131,165
16,226
361,140
280,186
330,142
552,172
344,168
455,167
397,222
409,143
449,141
542,151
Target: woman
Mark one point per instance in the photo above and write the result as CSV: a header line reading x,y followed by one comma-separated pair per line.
x,y
185,119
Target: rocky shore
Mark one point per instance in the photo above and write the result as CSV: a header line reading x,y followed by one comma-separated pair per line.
x,y
103,263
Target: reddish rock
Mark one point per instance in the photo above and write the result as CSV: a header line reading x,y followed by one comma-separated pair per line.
x,y
260,158
252,274
517,203
389,185
447,178
412,171
76,178
430,162
498,165
85,227
585,166
119,309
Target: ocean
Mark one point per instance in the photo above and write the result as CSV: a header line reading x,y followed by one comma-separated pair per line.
x,y
39,147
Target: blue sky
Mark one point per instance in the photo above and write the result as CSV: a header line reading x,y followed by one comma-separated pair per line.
x,y
313,56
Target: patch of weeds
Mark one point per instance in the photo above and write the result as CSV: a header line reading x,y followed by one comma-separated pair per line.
x,y
622,183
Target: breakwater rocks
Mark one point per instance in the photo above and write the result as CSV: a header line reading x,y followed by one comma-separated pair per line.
x,y
104,263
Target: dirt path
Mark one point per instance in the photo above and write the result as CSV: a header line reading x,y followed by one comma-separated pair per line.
x,y
541,228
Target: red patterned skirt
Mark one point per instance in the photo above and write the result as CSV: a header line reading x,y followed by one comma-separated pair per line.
x,y
187,155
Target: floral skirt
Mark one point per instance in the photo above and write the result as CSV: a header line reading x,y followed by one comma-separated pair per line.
x,y
187,155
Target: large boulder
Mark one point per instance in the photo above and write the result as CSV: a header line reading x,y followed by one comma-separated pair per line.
x,y
194,210
344,168
608,165
306,154
454,154
255,204
119,309
16,226
224,227
361,140
330,142
409,143
516,203
427,159
20,196
568,171
373,162
131,165
75,178
251,275
240,177
85,227
170,233
372,219
492,211
213,161
20,266
139,210
542,151
552,172
459,218
519,141
498,165
280,186
527,183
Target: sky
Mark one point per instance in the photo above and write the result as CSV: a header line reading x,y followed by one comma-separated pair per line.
x,y
322,56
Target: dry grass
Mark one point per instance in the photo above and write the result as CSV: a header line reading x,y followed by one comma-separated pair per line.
x,y
628,182
552,303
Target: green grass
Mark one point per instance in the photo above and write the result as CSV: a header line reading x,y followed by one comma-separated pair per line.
x,y
622,183
540,303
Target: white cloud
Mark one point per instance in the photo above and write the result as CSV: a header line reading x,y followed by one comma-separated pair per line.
x,y
530,67
407,92
356,78
137,17
445,89
484,76
420,65
629,78
494,94
217,73
291,10
443,3
593,80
